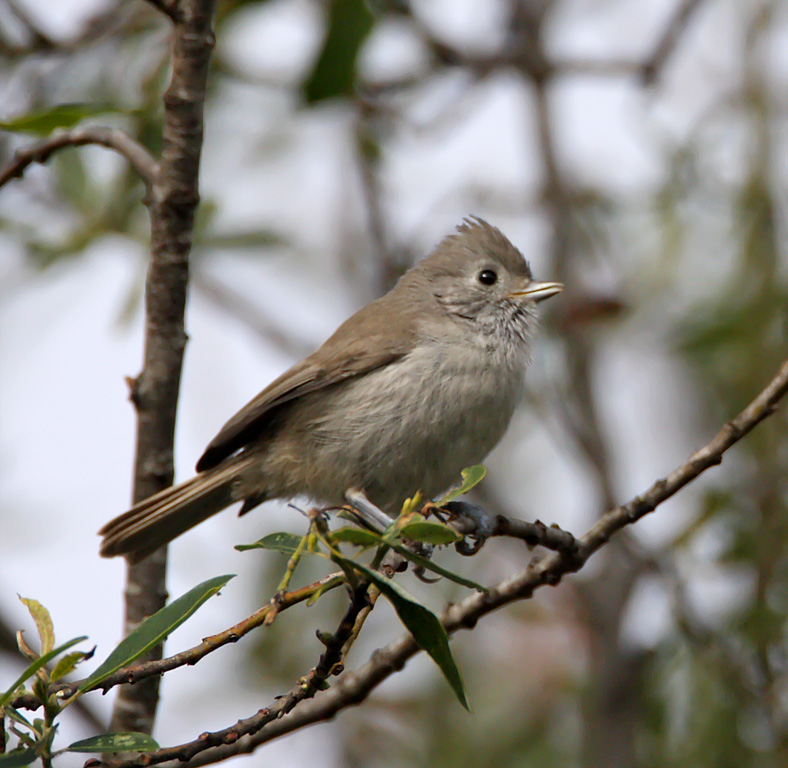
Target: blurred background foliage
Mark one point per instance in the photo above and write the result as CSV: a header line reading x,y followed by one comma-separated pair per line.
x,y
635,151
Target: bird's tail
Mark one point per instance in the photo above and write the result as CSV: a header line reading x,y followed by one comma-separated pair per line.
x,y
157,520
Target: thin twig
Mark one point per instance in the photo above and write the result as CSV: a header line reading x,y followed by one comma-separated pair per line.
x,y
666,44
113,138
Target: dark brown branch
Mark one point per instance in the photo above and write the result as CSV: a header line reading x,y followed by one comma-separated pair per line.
x,y
353,687
174,199
112,138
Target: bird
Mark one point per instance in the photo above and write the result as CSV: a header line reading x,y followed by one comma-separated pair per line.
x,y
408,391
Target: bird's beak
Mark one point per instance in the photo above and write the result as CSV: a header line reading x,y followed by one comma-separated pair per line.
x,y
537,292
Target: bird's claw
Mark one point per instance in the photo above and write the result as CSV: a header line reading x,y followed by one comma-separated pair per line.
x,y
472,522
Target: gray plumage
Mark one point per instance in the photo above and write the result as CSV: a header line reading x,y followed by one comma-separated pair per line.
x,y
408,391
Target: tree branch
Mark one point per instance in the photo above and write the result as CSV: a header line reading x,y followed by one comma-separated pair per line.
x,y
329,664
174,198
167,7
113,138
353,687
654,64
191,656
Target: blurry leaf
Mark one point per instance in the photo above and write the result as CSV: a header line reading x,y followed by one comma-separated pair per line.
x,y
422,623
42,661
43,121
349,23
154,629
429,532
17,717
18,757
67,663
287,543
24,648
135,292
43,620
356,536
471,476
115,742
227,8
253,239
323,589
714,502
74,185
369,146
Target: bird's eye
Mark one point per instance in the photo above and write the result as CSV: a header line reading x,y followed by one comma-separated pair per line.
x,y
488,277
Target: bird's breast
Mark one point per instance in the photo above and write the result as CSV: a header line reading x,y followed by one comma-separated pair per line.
x,y
416,423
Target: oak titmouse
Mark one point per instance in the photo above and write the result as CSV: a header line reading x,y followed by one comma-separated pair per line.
x,y
407,392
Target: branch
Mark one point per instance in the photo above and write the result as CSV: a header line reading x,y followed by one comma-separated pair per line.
x,y
113,138
353,687
667,43
167,7
212,643
330,663
190,657
154,392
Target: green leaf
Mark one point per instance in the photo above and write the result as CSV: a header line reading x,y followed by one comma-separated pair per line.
x,y
421,622
368,538
43,620
18,757
66,664
334,73
115,742
471,476
429,532
286,543
435,568
40,662
253,239
357,536
43,121
154,629
17,717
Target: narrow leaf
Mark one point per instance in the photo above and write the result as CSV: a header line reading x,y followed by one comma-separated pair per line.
x,y
154,629
356,536
18,757
66,664
115,742
334,72
17,717
43,620
421,622
44,121
40,662
429,532
253,239
286,543
471,476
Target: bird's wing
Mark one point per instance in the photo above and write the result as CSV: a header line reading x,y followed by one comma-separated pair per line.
x,y
364,342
